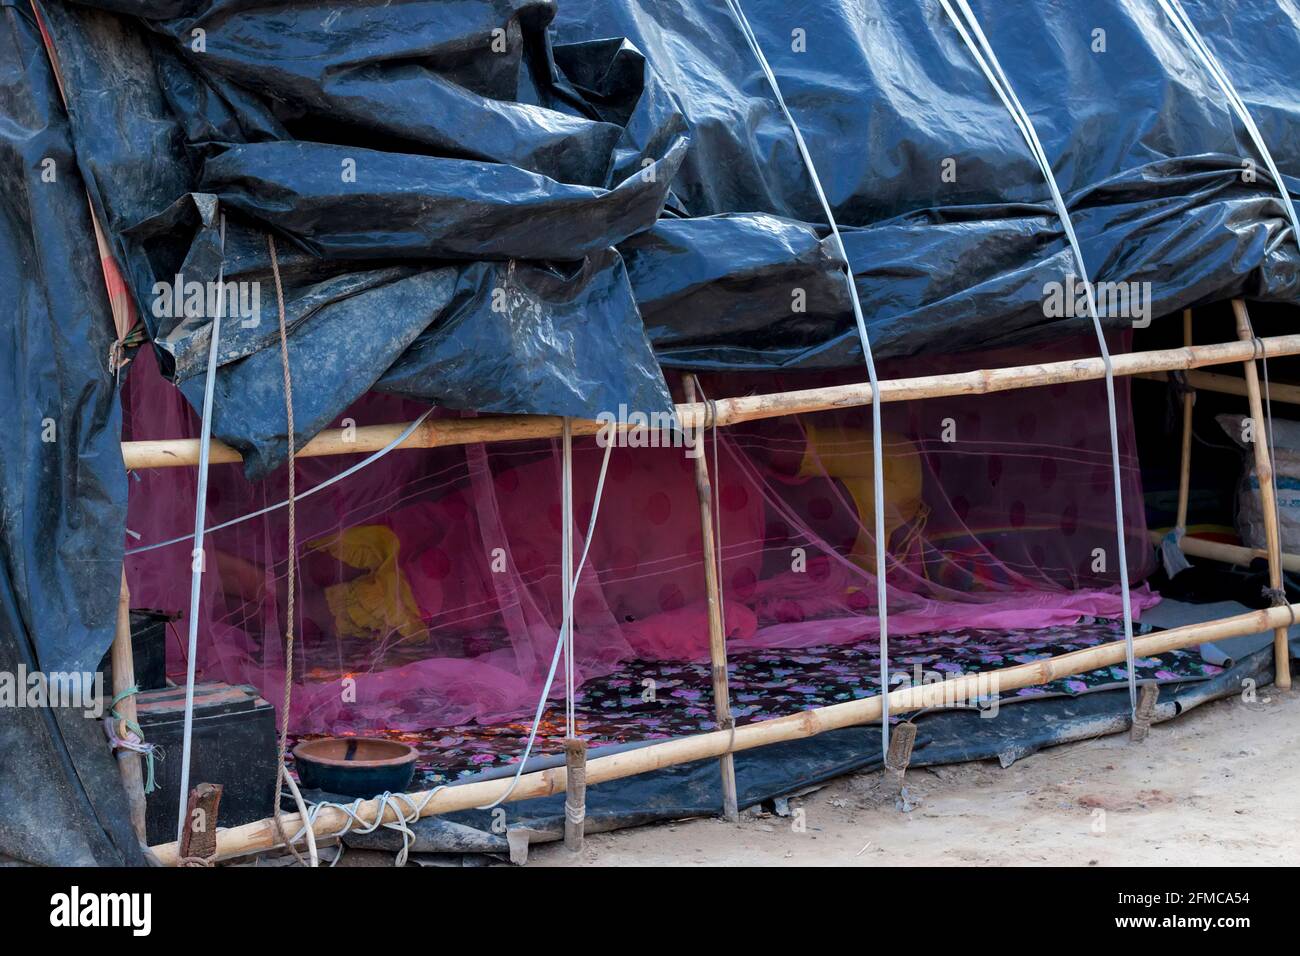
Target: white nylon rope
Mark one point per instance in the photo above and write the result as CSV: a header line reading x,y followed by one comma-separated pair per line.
x,y
563,640
988,63
877,455
566,572
1183,23
1174,10
370,460
196,559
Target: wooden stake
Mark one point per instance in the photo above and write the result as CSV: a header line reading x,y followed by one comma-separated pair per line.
x,y
575,796
717,631
1185,466
1148,694
128,761
1267,495
172,452
898,759
258,836
199,835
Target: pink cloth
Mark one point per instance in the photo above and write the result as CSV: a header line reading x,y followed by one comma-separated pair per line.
x,y
429,583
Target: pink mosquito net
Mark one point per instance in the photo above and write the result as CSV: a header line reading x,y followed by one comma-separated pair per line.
x,y
429,582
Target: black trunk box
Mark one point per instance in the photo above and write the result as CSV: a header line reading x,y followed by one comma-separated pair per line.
x,y
233,744
148,648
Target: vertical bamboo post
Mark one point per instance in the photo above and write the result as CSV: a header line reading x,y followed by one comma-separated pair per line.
x,y
1185,468
128,761
575,793
717,634
1267,495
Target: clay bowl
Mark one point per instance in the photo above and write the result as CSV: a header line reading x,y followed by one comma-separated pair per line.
x,y
355,766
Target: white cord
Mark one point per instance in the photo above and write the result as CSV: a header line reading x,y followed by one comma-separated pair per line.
x,y
877,430
1174,10
196,556
1183,23
562,639
387,801
566,571
406,433
988,63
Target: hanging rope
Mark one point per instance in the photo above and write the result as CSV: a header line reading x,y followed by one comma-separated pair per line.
x,y
200,517
877,431
988,63
290,620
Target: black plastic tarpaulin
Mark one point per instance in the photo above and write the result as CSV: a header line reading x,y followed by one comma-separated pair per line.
x,y
62,485
527,206
493,204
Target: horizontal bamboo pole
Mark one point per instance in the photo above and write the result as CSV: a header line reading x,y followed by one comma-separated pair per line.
x,y
259,836
1227,553
173,452
1230,385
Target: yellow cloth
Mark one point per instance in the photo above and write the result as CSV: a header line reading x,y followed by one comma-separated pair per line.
x,y
844,453
379,602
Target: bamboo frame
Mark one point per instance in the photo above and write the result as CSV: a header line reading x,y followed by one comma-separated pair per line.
x,y
128,761
717,630
1229,385
260,836
1267,495
1227,553
1185,464
173,452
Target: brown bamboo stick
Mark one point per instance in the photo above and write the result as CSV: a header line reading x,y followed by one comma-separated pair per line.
x,y
123,661
1227,553
260,835
1229,385
1267,493
172,452
717,631
1185,463
575,796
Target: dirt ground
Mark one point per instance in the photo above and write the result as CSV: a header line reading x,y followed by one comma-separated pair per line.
x,y
1219,785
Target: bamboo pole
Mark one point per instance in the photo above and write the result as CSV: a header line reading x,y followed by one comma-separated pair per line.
x,y
128,761
174,452
1227,553
1267,493
575,796
260,835
717,631
1185,464
1229,385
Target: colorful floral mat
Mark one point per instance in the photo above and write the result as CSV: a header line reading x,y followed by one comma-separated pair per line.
x,y
648,700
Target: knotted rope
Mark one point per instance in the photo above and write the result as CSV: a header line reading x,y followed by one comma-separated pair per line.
x,y
133,740
282,743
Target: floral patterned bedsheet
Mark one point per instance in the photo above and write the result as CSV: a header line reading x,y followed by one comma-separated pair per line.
x,y
648,700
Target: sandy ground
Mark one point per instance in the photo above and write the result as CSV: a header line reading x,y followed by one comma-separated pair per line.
x,y
1219,785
